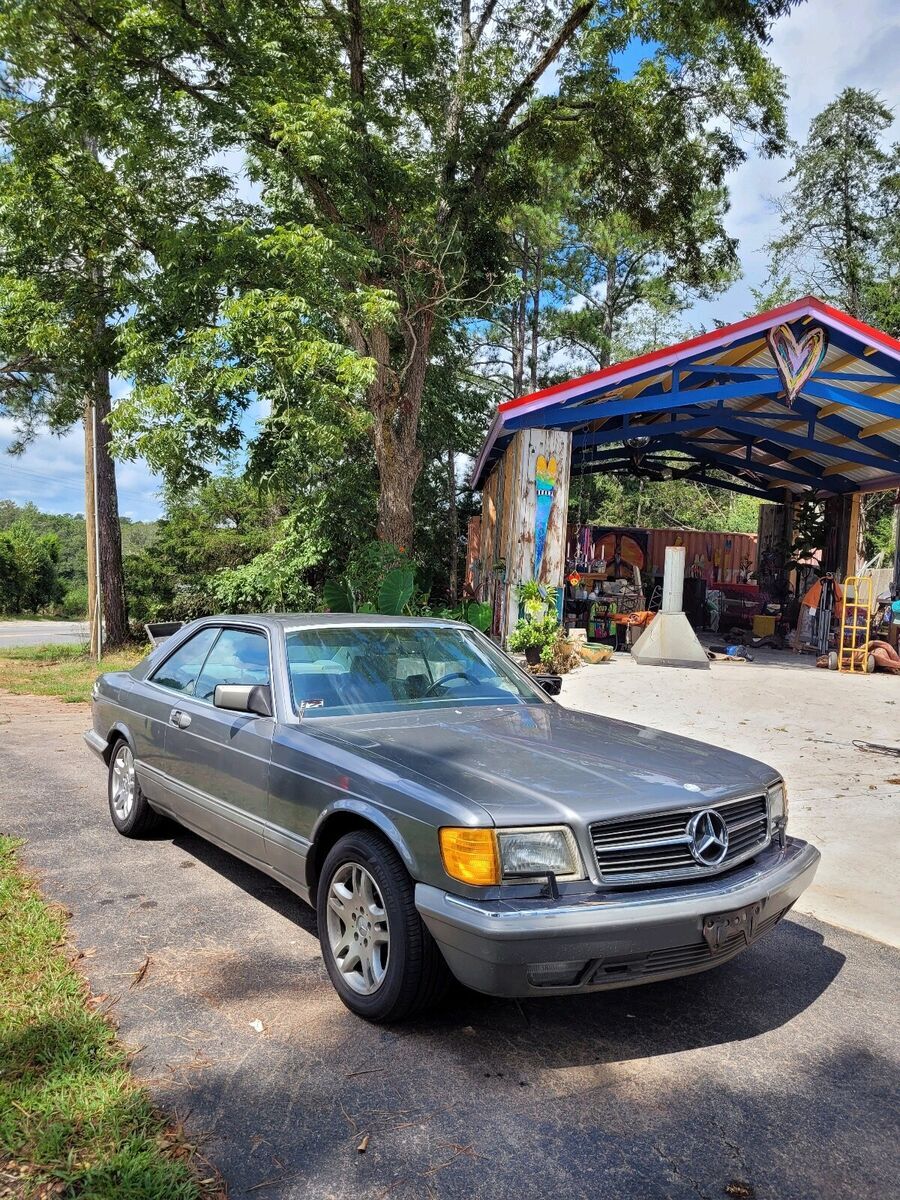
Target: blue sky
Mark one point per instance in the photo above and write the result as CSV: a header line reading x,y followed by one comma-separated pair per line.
x,y
823,47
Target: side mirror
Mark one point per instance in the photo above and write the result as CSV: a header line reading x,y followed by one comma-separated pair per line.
x,y
551,684
254,698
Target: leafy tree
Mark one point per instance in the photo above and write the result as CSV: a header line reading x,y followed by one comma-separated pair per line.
x,y
277,580
85,196
29,578
621,500
631,285
839,216
220,525
389,142
841,235
9,581
69,530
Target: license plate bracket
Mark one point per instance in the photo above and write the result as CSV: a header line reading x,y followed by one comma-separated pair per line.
x,y
725,927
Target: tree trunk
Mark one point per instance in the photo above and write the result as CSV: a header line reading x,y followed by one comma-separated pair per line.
x,y
536,315
609,313
395,400
453,524
112,580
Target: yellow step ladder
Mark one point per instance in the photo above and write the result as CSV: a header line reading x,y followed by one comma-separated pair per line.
x,y
856,619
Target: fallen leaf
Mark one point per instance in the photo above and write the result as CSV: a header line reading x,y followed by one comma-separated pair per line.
x,y
140,972
364,1144
740,1190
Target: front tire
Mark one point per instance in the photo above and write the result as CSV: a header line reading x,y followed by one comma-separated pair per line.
x,y
383,962
131,814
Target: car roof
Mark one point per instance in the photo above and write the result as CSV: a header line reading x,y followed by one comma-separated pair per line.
x,y
291,621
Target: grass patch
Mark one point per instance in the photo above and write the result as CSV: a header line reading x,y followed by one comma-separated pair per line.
x,y
64,671
72,1117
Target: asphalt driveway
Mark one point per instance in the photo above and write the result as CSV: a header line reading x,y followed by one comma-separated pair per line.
x,y
773,1077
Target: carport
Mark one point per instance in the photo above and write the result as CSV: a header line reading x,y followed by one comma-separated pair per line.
x,y
799,400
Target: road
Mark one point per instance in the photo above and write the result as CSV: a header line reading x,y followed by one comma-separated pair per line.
x,y
773,1075
42,633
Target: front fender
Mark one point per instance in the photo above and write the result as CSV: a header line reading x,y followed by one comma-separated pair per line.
x,y
376,816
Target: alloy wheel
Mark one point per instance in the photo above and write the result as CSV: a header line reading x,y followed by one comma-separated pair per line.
x,y
358,931
123,783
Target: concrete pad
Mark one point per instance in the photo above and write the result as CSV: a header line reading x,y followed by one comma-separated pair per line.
x,y
803,721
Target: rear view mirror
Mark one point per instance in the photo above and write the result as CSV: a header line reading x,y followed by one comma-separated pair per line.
x,y
551,684
255,698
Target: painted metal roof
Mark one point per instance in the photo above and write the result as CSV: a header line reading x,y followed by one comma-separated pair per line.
x,y
721,400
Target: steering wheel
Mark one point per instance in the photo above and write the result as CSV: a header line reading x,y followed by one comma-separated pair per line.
x,y
432,691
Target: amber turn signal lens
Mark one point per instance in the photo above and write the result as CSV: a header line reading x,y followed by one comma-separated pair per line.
x,y
470,855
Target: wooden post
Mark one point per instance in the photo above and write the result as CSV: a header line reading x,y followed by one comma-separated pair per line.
x,y
841,554
524,517
90,531
851,549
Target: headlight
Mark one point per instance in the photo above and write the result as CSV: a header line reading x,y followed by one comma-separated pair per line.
x,y
487,856
470,855
527,852
778,804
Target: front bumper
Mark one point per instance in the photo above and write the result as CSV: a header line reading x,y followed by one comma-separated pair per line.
x,y
614,939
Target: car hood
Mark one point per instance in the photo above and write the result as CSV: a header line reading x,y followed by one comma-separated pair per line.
x,y
542,764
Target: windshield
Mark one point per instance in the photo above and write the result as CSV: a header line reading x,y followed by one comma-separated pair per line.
x,y
363,669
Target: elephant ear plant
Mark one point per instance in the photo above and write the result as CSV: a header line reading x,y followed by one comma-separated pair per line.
x,y
395,591
397,594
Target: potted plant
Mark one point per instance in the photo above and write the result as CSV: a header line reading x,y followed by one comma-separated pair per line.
x,y
530,638
536,598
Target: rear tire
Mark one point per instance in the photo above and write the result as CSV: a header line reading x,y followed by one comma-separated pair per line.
x,y
128,808
382,960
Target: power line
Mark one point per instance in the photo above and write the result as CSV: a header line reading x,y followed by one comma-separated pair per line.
x,y
71,486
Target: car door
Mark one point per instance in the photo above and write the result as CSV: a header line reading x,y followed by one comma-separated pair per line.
x,y
151,703
218,759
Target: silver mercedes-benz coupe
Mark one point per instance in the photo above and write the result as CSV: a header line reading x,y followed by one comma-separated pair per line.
x,y
442,812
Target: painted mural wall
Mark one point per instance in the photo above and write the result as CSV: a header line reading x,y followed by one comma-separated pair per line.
x,y
715,557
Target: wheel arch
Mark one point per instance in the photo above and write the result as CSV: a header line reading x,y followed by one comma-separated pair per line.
x,y
344,817
118,733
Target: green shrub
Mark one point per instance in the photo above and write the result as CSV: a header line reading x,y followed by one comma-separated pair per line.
x,y
75,602
534,635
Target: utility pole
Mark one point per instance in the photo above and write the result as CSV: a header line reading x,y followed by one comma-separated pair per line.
x,y
95,604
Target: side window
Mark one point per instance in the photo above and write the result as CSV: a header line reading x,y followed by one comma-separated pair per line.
x,y
239,656
179,672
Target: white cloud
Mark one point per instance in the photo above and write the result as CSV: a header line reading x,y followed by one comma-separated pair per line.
x,y
823,46
51,475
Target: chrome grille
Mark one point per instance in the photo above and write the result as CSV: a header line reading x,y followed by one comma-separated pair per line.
x,y
657,847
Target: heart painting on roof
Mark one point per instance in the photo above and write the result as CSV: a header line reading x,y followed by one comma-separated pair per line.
x,y
796,362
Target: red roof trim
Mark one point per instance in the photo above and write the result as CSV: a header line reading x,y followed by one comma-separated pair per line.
x,y
716,336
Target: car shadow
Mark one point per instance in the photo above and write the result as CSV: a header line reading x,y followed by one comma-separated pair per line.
x,y
764,988
255,883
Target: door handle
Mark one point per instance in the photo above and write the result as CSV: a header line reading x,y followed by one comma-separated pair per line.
x,y
179,719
